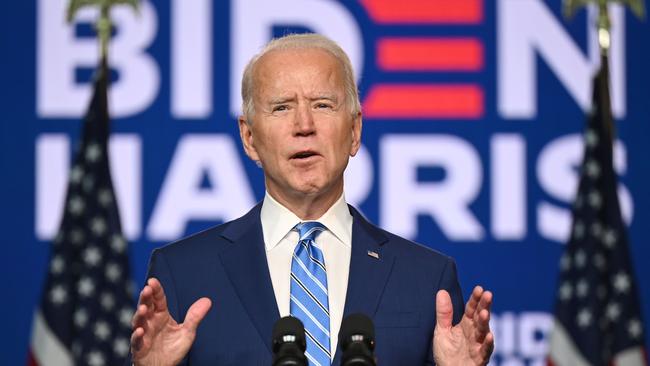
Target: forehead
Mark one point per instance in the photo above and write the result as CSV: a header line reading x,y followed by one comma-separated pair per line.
x,y
311,67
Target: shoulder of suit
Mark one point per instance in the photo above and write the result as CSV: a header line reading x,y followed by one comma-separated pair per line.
x,y
211,239
401,246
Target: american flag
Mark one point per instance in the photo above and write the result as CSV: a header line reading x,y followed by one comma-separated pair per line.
x,y
86,307
597,313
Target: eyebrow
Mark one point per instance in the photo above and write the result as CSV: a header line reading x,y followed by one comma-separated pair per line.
x,y
281,100
331,97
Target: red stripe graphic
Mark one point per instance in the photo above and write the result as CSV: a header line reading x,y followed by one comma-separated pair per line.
x,y
419,101
430,54
425,11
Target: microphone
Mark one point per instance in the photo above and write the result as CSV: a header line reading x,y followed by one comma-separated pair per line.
x,y
357,340
289,342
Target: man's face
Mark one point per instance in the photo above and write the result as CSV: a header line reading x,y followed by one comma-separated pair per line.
x,y
302,131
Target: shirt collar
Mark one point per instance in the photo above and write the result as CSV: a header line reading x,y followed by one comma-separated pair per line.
x,y
277,221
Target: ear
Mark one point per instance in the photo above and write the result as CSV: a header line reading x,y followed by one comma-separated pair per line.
x,y
246,135
357,124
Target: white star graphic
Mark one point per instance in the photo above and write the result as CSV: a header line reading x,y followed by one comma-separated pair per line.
x,y
579,201
96,358
76,174
86,287
580,258
634,328
80,317
121,347
592,168
582,288
58,295
98,226
595,200
105,197
88,183
610,238
125,317
565,262
77,236
108,301
613,311
113,272
92,256
579,230
76,205
584,318
621,282
591,138
600,262
102,330
58,238
57,265
76,348
93,152
118,244
596,229
566,291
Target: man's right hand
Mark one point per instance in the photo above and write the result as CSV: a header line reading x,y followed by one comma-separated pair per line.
x,y
157,339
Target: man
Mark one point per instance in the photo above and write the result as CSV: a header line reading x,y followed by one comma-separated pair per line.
x,y
303,251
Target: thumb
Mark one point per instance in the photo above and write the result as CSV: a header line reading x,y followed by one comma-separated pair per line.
x,y
444,309
196,313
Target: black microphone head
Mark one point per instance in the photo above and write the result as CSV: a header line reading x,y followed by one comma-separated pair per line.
x,y
289,330
357,328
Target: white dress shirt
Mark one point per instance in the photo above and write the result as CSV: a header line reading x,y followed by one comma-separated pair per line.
x,y
335,242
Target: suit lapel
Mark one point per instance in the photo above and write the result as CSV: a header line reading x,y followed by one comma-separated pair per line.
x,y
246,265
368,275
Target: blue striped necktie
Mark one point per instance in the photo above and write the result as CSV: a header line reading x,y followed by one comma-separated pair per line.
x,y
309,301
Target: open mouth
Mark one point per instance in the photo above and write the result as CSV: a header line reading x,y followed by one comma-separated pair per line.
x,y
303,154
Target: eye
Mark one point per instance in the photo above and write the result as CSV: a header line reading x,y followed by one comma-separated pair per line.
x,y
280,108
323,105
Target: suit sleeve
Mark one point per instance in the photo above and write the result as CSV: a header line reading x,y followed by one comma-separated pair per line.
x,y
449,282
159,268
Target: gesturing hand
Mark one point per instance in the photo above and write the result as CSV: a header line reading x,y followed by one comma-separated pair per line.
x,y
157,339
470,342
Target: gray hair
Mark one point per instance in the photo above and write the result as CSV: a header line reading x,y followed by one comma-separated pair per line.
x,y
300,42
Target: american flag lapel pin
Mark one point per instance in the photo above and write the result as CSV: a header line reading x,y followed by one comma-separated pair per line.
x,y
373,254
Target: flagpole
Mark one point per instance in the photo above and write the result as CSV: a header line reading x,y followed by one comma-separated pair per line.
x,y
603,25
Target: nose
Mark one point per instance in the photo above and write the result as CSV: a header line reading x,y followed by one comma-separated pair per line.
x,y
304,122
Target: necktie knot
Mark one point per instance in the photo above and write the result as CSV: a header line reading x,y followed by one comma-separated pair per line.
x,y
309,230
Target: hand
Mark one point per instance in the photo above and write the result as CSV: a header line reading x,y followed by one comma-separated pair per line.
x,y
470,342
157,339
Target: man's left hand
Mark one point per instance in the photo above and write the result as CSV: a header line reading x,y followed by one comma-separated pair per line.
x,y
470,342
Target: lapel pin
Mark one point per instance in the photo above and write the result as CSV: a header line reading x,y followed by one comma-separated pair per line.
x,y
373,254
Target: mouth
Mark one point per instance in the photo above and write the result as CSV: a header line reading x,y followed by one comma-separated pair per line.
x,y
303,155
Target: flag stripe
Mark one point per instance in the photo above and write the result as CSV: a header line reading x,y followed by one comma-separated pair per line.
x,y
46,347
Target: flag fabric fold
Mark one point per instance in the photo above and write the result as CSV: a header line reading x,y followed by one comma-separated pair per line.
x,y
85,311
597,313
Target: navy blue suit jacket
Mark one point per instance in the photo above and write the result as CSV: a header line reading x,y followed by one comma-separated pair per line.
x,y
227,264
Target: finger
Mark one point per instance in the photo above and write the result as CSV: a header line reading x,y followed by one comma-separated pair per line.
x,y
140,318
146,297
483,325
444,310
137,340
196,313
158,294
472,303
485,302
488,346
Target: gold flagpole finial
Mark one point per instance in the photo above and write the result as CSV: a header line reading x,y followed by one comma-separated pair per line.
x,y
603,23
103,25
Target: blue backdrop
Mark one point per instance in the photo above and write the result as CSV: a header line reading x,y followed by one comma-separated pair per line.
x,y
486,175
